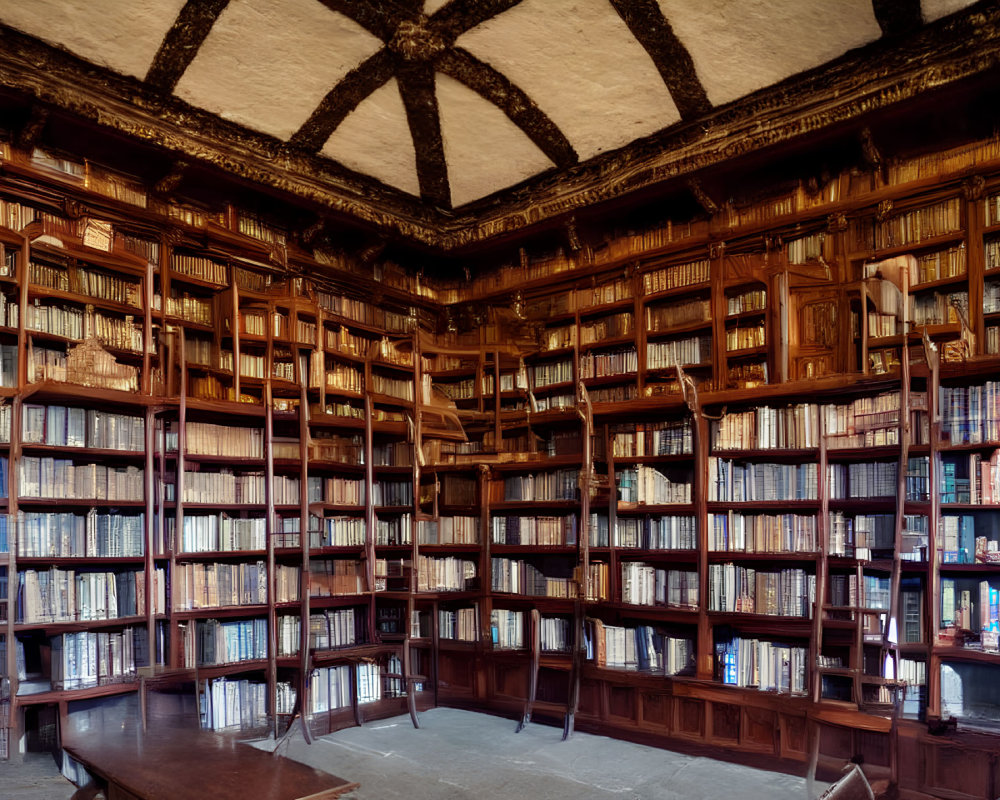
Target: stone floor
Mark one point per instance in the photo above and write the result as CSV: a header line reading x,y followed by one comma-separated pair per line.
x,y
457,755
35,777
460,754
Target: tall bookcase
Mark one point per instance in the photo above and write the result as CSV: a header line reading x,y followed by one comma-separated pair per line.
x,y
730,480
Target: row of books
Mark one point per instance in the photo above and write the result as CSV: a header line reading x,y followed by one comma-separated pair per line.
x,y
366,313
395,530
868,421
649,485
651,439
970,414
745,337
209,439
190,308
336,490
392,493
614,326
768,666
746,301
241,704
641,648
70,595
83,659
460,624
342,531
449,530
970,478
676,276
691,350
345,378
516,576
399,388
557,485
662,317
647,585
64,479
62,426
911,227
762,533
78,324
735,481
445,574
549,373
210,642
545,531
767,428
329,688
204,269
207,533
10,311
225,486
649,532
45,534
601,364
865,480
213,585
507,629
739,589
870,592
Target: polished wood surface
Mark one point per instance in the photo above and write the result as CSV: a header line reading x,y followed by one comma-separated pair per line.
x,y
175,760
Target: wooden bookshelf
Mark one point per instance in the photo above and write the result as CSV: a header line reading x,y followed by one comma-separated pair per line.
x,y
730,481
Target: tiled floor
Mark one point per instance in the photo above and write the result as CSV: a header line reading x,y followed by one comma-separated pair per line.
x,y
457,755
460,754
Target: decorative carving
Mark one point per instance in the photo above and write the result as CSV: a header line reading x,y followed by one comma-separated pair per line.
x,y
836,223
32,128
572,237
368,254
73,208
415,41
974,188
940,56
168,184
883,211
702,197
868,149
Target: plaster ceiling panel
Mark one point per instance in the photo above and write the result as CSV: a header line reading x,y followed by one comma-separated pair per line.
x,y
935,9
580,64
484,150
121,34
739,46
268,65
375,139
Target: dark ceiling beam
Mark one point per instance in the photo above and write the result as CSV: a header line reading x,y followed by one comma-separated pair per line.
x,y
943,58
519,108
897,17
416,87
458,16
182,42
648,25
342,99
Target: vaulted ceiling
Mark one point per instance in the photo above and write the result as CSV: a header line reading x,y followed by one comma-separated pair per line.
x,y
450,101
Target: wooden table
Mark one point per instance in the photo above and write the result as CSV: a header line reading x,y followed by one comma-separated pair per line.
x,y
175,762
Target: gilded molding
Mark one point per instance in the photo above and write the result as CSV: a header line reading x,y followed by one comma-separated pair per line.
x,y
873,78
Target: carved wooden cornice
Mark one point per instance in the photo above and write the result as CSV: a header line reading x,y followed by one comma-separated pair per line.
x,y
874,78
